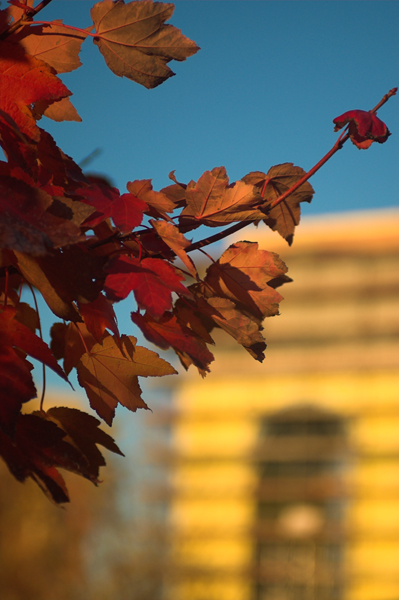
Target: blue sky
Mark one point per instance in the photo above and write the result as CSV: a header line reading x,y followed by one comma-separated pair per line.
x,y
264,88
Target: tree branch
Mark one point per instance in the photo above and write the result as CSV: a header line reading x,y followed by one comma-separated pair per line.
x,y
240,225
26,19
337,146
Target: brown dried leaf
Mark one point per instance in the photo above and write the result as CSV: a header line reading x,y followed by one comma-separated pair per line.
x,y
135,41
284,217
213,202
243,274
240,326
62,110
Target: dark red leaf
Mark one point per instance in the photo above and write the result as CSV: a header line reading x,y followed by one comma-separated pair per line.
x,y
83,431
16,334
152,280
101,197
16,386
62,437
99,316
60,282
29,454
127,212
364,128
25,223
168,332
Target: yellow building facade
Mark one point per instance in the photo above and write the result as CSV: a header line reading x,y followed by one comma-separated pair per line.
x,y
285,477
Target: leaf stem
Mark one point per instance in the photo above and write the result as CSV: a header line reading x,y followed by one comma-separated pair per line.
x,y
337,146
41,337
26,19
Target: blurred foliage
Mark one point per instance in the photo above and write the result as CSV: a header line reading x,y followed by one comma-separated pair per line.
x,y
89,551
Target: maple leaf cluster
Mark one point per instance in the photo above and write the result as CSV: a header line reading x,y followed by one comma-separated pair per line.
x,y
84,245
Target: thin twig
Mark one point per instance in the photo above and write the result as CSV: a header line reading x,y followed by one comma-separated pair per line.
x,y
218,236
391,92
337,146
26,19
240,225
41,337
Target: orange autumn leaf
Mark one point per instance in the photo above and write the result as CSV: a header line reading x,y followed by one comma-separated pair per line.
x,y
109,373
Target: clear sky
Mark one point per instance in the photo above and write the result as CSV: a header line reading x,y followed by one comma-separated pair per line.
x,y
264,88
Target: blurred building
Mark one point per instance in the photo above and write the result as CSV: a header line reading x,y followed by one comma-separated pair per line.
x,y
285,477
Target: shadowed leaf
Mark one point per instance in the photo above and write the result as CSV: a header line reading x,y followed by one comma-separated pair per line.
x,y
26,80
55,44
167,332
152,281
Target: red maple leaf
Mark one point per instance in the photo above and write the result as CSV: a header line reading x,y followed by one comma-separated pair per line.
x,y
168,332
18,335
99,316
25,81
126,210
16,386
152,281
364,128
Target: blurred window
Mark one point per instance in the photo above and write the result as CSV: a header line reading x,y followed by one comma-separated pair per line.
x,y
301,456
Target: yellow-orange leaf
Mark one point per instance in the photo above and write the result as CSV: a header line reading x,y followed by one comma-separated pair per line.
x,y
109,373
